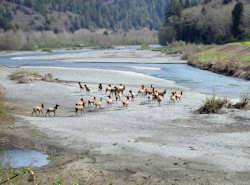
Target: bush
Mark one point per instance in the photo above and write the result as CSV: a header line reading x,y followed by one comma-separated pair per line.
x,y
243,104
212,105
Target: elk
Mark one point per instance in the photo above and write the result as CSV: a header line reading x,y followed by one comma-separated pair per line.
x,y
37,109
79,108
141,90
81,87
100,87
108,88
178,96
159,99
87,88
109,101
80,103
52,109
98,103
120,88
173,97
132,94
117,96
125,102
91,101
162,93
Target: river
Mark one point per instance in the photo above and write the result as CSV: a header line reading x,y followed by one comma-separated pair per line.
x,y
199,80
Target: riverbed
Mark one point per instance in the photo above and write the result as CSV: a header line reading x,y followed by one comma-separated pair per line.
x,y
146,143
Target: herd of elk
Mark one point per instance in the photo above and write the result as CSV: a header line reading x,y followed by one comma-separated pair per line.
x,y
151,94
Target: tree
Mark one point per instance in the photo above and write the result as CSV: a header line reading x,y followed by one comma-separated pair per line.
x,y
203,11
237,19
174,10
166,35
227,1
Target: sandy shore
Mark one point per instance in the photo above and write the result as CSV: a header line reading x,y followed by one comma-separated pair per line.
x,y
144,143
111,55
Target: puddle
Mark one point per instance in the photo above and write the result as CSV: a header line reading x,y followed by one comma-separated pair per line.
x,y
16,158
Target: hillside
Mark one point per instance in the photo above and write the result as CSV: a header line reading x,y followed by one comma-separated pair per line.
x,y
71,15
210,22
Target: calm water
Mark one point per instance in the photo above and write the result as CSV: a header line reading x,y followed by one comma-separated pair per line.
x,y
17,158
184,75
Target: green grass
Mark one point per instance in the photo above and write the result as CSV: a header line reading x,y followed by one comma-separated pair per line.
x,y
247,59
246,43
19,74
206,57
170,51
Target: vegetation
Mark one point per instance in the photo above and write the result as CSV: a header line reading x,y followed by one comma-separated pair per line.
x,y
47,41
20,74
206,58
61,15
212,105
209,22
242,104
230,59
4,109
187,50
237,19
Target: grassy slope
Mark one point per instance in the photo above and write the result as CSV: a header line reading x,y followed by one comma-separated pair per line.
x,y
231,59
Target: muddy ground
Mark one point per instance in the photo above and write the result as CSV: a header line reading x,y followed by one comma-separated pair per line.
x,y
142,144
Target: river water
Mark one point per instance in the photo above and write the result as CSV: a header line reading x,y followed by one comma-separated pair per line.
x,y
199,80
17,158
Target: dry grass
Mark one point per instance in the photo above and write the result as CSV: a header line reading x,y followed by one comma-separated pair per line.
x,y
5,115
212,105
20,74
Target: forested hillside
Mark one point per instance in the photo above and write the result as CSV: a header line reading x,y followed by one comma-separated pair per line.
x,y
71,15
212,21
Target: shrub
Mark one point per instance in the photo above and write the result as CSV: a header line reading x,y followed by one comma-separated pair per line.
x,y
242,104
212,105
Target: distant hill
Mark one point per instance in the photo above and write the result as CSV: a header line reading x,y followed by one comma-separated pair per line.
x,y
71,15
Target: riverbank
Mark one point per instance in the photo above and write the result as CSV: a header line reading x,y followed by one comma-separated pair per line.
x,y
144,143
230,59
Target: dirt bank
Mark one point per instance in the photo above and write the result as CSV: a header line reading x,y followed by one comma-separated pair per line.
x,y
142,144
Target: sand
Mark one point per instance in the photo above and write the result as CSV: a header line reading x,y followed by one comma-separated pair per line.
x,y
109,55
144,143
